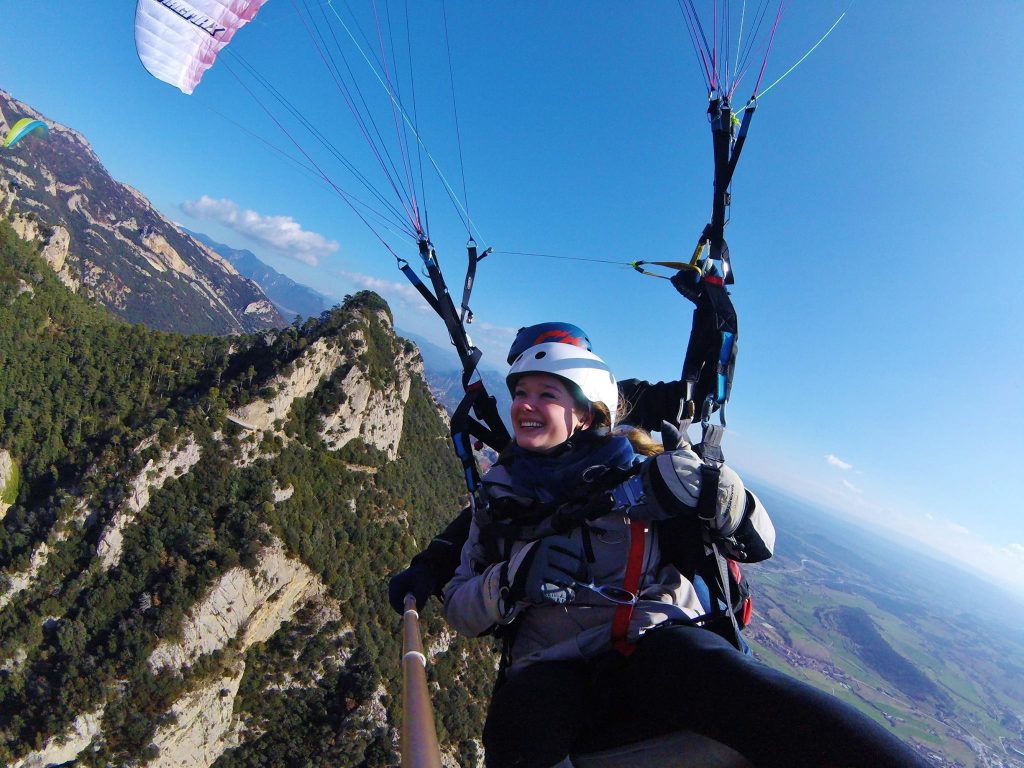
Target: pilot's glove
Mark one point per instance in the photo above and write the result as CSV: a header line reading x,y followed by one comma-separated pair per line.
x,y
418,580
545,571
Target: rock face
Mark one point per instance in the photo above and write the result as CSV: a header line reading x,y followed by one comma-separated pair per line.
x,y
245,607
374,415
204,725
248,606
6,476
20,581
171,464
65,748
105,239
318,362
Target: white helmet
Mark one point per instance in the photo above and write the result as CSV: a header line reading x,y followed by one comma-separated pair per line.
x,y
573,364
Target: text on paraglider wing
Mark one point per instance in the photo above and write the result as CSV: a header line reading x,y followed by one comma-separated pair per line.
x,y
194,17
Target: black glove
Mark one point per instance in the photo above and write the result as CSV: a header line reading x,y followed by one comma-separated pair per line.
x,y
546,570
672,438
418,579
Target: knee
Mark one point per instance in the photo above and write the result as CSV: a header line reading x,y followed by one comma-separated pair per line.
x,y
691,645
524,734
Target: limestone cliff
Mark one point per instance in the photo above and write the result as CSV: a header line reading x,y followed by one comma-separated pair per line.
x,y
247,606
318,362
7,479
171,464
189,586
105,239
371,413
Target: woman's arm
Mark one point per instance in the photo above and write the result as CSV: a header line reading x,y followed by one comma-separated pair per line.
x,y
473,602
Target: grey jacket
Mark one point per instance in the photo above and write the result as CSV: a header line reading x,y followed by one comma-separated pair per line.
x,y
474,605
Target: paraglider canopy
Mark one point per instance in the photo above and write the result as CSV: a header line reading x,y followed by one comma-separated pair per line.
x,y
23,128
178,41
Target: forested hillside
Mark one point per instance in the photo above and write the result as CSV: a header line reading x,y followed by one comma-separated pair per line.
x,y
195,534
200,534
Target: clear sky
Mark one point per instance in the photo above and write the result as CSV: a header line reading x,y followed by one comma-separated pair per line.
x,y
876,222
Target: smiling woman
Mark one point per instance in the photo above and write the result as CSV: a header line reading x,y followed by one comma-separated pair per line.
x,y
604,638
544,413
555,388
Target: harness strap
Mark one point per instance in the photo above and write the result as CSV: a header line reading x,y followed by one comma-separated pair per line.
x,y
631,583
710,447
467,286
722,578
710,450
487,426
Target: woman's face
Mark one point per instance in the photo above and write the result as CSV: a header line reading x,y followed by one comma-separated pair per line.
x,y
544,414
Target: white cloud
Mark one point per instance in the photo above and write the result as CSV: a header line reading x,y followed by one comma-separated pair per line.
x,y
281,233
389,289
957,529
850,486
1014,552
835,461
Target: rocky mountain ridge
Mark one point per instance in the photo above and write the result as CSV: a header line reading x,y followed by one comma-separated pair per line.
x,y
291,298
181,582
104,239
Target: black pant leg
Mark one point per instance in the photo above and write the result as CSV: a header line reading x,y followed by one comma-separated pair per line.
x,y
536,714
689,678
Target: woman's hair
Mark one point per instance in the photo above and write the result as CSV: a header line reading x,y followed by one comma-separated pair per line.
x,y
640,439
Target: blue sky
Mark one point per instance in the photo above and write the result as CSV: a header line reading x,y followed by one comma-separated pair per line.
x,y
875,227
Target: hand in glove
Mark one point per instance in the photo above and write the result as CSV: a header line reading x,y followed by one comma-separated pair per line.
x,y
672,486
545,571
417,579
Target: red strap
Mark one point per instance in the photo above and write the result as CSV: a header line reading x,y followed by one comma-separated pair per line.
x,y
631,582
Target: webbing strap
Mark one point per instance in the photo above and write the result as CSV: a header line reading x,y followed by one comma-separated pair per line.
x,y
419,286
631,583
492,430
748,115
710,450
467,287
723,585
707,501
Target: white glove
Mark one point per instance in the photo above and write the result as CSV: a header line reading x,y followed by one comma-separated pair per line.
x,y
672,483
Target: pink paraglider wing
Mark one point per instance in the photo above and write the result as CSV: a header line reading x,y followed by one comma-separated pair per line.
x,y
177,41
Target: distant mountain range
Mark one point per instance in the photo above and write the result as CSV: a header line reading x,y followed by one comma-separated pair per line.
x,y
289,297
444,376
106,241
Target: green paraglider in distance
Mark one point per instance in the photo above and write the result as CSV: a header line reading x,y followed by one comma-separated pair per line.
x,y
23,128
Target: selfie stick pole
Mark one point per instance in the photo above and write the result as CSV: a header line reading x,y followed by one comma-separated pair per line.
x,y
419,734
